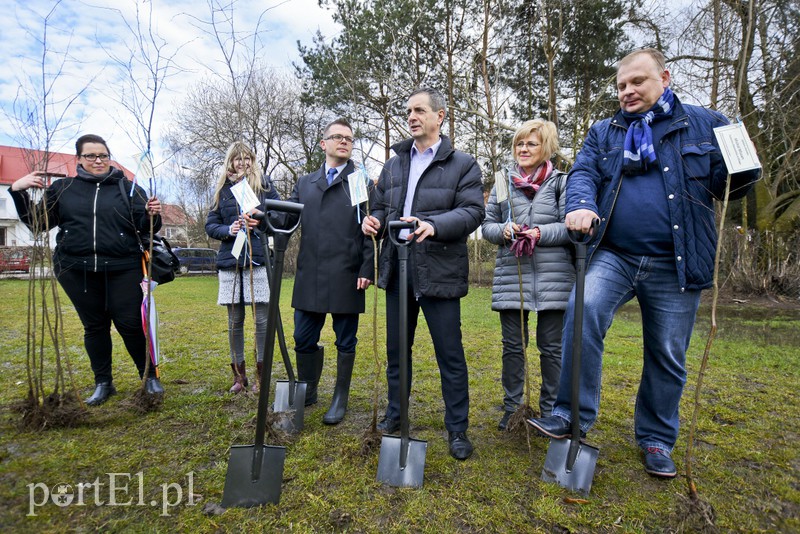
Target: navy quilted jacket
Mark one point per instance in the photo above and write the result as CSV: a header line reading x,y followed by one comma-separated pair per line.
x,y
220,219
694,176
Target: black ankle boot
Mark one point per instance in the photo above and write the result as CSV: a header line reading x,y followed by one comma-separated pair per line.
x,y
309,369
153,386
102,392
341,393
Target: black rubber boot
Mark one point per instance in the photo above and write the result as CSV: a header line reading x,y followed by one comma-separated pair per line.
x,y
309,369
341,393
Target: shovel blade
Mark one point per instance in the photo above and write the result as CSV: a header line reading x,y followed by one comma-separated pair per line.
x,y
580,477
296,408
391,473
241,489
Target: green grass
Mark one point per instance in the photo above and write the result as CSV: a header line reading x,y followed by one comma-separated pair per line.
x,y
746,456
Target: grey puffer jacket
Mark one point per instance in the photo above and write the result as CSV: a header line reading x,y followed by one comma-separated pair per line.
x,y
548,275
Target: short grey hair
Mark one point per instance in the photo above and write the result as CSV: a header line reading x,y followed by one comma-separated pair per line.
x,y
436,98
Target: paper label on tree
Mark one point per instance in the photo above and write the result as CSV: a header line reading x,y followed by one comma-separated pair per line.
x,y
737,149
501,186
238,245
245,196
358,186
145,167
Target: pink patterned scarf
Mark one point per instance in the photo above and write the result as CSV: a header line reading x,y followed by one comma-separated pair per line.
x,y
530,184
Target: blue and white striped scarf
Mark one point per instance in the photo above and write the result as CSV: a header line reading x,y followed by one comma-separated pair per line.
x,y
639,150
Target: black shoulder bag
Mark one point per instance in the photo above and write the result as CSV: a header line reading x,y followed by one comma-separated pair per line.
x,y
164,262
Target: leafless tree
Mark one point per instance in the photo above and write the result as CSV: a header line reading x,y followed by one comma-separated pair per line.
x,y
40,114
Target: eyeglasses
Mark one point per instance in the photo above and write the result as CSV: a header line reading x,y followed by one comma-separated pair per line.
x,y
94,157
339,138
530,145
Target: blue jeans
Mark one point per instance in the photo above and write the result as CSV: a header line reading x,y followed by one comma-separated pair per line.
x,y
668,317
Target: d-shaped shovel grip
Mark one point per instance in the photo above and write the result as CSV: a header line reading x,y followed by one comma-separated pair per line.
x,y
395,227
283,206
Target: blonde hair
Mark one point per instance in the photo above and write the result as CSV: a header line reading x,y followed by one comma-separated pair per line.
x,y
548,137
254,175
656,55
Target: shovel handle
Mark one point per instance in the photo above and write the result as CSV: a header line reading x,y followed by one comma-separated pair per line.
x,y
287,362
284,207
395,227
580,240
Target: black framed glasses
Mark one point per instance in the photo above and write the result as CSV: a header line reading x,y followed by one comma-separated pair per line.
x,y
339,138
94,157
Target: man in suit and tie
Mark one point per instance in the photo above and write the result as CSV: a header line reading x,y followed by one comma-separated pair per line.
x,y
334,267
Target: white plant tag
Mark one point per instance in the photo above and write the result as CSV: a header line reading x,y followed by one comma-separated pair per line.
x,y
501,186
358,186
245,196
238,245
737,149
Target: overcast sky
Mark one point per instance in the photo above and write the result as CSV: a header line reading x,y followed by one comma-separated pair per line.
x,y
83,29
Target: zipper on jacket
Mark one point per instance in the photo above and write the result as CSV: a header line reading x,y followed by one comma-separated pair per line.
x,y
94,225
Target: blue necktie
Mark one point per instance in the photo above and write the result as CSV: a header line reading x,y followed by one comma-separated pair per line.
x,y
331,175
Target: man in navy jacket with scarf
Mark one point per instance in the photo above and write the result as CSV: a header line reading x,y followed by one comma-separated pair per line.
x,y
650,174
439,188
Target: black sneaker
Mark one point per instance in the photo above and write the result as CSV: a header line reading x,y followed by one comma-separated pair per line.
x,y
658,462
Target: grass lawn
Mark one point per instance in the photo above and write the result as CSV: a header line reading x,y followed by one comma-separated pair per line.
x,y
746,461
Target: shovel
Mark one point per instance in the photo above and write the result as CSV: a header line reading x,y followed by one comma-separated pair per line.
x,y
402,460
255,472
290,395
569,462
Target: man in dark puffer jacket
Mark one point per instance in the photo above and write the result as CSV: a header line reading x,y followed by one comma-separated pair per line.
x,y
439,188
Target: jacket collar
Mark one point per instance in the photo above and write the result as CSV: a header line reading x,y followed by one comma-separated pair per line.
x,y
404,148
112,175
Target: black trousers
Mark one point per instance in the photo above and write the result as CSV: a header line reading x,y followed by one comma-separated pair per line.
x,y
99,299
444,323
308,326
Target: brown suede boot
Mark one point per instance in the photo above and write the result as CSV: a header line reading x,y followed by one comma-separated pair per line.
x,y
257,382
239,378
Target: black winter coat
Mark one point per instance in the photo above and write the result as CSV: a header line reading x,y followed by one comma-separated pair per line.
x,y
334,253
449,196
223,216
96,228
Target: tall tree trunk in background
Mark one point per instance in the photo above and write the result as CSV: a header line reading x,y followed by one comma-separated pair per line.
x,y
487,88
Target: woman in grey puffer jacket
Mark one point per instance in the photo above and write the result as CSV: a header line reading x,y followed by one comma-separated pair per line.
x,y
527,224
